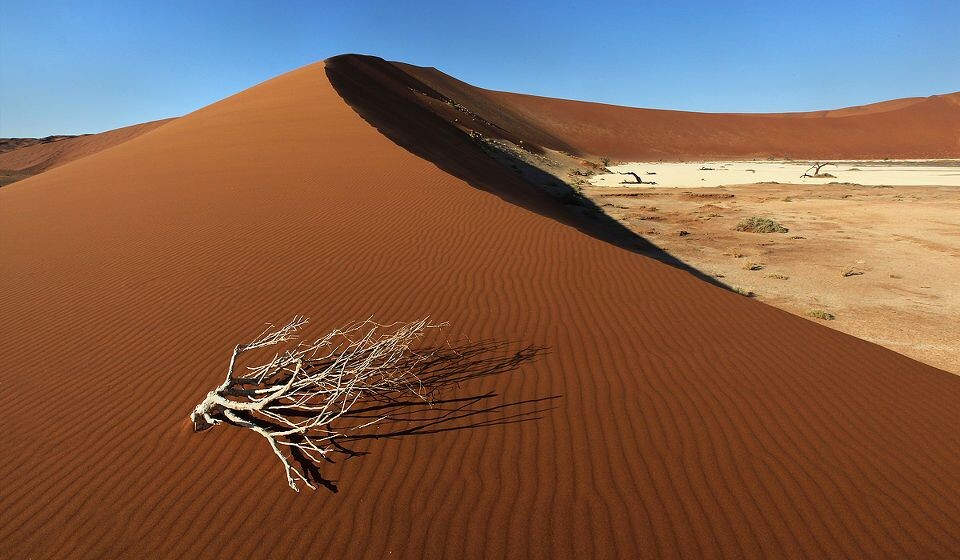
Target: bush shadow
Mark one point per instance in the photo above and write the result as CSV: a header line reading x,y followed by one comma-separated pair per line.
x,y
446,398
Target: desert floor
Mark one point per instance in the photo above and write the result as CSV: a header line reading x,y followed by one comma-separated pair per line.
x,y
720,173
884,261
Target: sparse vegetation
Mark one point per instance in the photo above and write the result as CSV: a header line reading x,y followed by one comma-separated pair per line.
x,y
821,314
752,266
743,291
756,224
777,276
847,272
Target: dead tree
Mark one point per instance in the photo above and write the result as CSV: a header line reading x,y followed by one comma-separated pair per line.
x,y
637,177
299,401
816,167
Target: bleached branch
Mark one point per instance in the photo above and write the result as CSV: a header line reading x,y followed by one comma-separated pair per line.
x,y
302,396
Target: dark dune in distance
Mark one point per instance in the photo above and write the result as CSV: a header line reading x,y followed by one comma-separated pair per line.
x,y
10,144
662,417
30,156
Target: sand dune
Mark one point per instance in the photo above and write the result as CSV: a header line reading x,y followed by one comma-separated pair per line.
x,y
903,128
37,157
664,417
10,144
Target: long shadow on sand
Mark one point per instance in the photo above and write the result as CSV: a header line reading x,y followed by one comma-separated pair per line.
x,y
434,127
448,401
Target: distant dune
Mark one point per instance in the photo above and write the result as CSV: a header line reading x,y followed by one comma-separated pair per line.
x,y
648,414
10,144
904,128
30,156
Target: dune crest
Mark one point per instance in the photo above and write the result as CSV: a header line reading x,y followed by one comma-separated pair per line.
x,y
922,128
661,416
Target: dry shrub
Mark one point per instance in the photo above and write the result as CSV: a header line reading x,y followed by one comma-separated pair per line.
x,y
756,224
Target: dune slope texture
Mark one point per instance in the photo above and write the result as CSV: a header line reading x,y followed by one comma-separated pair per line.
x,y
640,412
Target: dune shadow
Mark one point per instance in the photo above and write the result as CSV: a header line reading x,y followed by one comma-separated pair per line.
x,y
438,129
592,219
446,399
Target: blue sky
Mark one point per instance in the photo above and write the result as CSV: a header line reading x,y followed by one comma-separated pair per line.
x,y
74,67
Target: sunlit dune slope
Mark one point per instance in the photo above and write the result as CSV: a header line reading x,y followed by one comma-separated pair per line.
x,y
647,413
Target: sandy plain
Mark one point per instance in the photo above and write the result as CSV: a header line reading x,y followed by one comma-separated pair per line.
x,y
882,260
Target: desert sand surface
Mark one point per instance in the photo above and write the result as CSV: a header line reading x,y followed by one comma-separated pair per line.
x,y
29,158
719,173
643,413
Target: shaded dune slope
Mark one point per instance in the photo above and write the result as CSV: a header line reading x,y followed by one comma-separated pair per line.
x,y
39,157
437,128
899,129
664,417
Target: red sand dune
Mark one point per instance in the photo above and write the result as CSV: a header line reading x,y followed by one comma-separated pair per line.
x,y
664,417
904,128
38,157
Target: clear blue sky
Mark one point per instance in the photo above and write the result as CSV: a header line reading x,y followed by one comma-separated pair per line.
x,y
74,67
